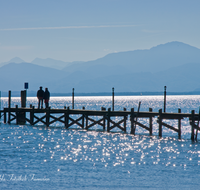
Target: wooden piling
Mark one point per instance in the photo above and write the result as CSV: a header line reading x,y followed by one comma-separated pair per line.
x,y
165,98
179,125
104,118
108,120
5,113
17,115
113,103
9,105
23,98
47,116
72,98
160,123
83,118
150,123
125,118
192,125
32,115
9,99
67,118
132,121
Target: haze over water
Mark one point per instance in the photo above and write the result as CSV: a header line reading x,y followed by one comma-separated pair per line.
x,y
59,158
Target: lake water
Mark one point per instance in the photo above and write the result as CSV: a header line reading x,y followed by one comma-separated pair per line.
x,y
58,158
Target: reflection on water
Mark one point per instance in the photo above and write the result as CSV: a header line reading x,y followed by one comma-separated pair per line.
x,y
60,158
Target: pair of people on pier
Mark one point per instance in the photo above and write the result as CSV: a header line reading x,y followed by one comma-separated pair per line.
x,y
43,95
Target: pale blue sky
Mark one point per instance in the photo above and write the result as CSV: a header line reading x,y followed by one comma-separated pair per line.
x,y
82,30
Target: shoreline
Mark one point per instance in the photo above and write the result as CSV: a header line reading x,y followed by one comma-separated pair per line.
x,y
33,94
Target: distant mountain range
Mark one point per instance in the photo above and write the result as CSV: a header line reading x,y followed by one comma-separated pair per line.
x,y
175,65
51,63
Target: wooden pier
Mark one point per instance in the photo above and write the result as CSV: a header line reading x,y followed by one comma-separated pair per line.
x,y
103,118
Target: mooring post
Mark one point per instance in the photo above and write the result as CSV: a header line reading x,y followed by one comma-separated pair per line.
x,y
125,118
150,123
132,121
165,98
113,103
23,98
32,115
192,125
160,123
9,98
67,117
72,98
108,120
83,116
4,115
17,114
9,105
86,121
22,115
179,125
47,116
104,118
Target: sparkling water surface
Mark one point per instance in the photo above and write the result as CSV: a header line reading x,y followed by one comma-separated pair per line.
x,y
57,158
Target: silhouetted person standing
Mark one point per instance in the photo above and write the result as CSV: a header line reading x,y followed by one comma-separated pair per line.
x,y
46,97
40,94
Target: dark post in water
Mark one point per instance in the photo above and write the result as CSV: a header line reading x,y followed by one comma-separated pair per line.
x,y
9,98
9,105
113,99
21,116
165,98
72,98
23,98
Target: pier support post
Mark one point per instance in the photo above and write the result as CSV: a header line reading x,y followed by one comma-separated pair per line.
x,y
150,123
160,123
32,115
65,113
86,121
179,125
22,115
104,124
108,120
165,98
5,115
192,125
47,116
23,98
67,117
125,118
17,114
9,105
83,118
113,103
72,98
132,121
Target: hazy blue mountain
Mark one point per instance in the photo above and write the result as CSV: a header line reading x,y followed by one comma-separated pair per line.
x,y
13,76
175,65
156,59
52,63
181,78
14,60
